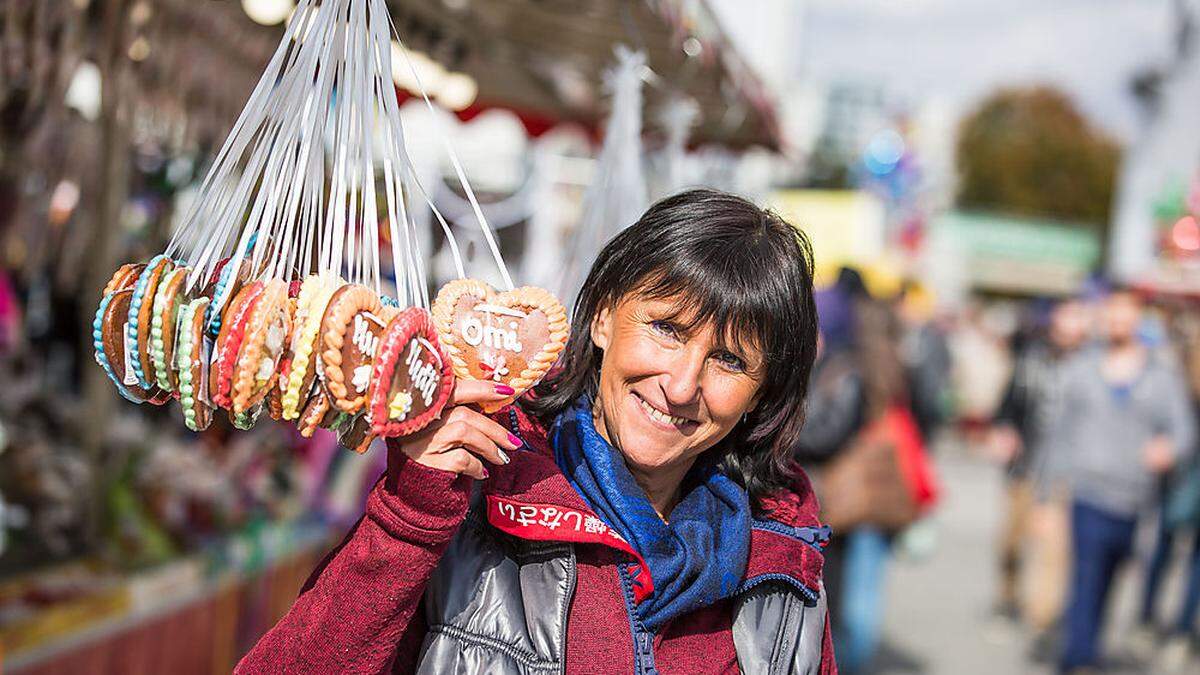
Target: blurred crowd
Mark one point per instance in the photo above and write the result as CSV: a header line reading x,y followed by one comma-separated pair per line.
x,y
1089,403
1097,430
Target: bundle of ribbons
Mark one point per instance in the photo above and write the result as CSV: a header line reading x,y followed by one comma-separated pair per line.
x,y
271,293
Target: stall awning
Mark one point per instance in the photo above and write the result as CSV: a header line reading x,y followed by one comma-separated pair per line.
x,y
545,59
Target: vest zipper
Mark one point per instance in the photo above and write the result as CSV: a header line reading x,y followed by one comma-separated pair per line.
x,y
643,640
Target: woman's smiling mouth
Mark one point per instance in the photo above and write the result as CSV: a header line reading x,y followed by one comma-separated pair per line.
x,y
662,418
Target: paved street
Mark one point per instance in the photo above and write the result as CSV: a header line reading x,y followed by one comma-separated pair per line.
x,y
936,619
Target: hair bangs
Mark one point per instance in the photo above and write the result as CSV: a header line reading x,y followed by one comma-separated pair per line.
x,y
741,315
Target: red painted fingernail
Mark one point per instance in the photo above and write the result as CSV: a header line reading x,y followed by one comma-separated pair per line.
x,y
515,441
505,390
485,474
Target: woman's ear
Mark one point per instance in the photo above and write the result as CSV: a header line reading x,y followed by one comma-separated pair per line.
x,y
602,328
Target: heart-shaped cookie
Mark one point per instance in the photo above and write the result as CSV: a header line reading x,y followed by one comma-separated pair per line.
x,y
229,343
167,301
265,332
275,394
354,432
141,308
350,332
114,348
125,277
192,366
297,386
227,285
412,377
275,401
247,419
314,412
509,338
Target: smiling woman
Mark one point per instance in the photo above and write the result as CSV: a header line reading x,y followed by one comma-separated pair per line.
x,y
640,511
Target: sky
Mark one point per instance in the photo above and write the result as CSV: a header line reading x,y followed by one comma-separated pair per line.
x,y
957,51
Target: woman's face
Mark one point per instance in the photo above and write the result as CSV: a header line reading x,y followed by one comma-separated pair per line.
x,y
667,395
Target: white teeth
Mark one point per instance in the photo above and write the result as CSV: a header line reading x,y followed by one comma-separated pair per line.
x,y
661,416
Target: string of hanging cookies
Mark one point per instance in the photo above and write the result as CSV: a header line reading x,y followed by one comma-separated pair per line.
x,y
275,295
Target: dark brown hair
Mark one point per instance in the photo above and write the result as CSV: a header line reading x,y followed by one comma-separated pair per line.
x,y
742,268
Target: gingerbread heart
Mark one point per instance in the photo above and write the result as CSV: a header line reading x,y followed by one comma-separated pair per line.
x,y
267,326
141,308
229,343
192,365
275,402
111,339
246,419
412,377
227,285
167,301
354,432
125,277
311,302
314,412
509,338
351,329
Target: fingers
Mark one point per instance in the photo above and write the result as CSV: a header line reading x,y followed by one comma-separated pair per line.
x,y
477,391
465,435
494,430
465,463
464,438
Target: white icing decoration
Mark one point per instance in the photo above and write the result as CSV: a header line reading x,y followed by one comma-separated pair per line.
x,y
424,376
265,367
485,332
274,341
130,376
362,378
363,338
496,363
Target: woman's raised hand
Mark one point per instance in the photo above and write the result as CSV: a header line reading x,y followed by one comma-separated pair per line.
x,y
463,436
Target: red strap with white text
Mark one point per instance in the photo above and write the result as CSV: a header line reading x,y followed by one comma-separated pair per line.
x,y
549,522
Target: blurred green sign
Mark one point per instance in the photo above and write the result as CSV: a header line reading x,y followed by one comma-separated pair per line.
x,y
1018,254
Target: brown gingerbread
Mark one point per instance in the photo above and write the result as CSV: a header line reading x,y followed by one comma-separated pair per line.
x,y
191,364
266,329
509,338
412,377
350,332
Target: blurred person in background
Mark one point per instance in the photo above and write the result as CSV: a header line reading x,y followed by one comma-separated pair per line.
x,y
834,415
1036,510
925,353
1125,423
1180,514
982,367
848,443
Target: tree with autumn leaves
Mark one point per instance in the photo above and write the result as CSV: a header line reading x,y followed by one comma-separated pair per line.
x,y
1030,152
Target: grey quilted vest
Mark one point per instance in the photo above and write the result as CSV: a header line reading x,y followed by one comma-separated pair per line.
x,y
499,604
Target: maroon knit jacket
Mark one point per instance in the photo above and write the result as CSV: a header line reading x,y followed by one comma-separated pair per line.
x,y
360,611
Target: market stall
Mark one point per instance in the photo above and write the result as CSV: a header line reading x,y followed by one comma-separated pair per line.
x,y
121,532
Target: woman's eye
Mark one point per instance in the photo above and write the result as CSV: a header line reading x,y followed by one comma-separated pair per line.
x,y
665,328
731,361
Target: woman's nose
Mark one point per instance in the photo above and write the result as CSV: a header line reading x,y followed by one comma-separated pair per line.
x,y
683,377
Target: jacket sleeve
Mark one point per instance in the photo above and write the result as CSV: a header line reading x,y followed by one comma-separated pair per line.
x,y
1179,422
357,607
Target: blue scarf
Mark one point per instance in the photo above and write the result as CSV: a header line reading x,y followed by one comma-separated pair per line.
x,y
696,559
